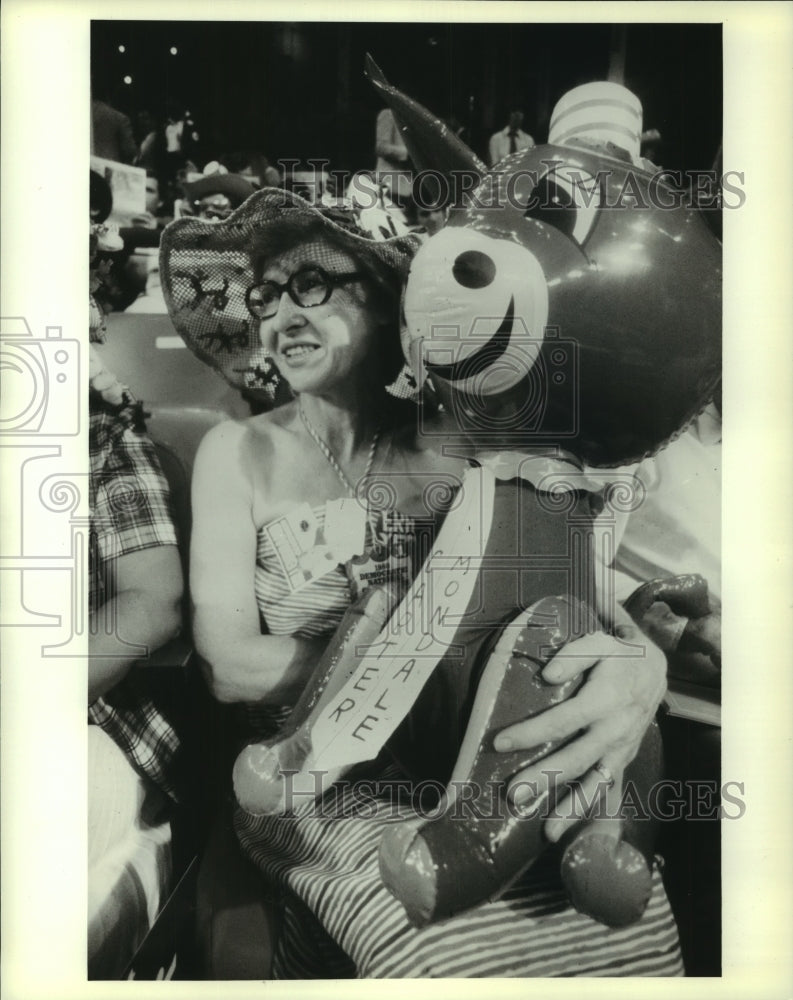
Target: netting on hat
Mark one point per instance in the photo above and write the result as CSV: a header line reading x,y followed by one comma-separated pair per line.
x,y
206,270
207,305
404,385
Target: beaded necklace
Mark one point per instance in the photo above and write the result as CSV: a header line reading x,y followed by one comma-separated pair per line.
x,y
331,458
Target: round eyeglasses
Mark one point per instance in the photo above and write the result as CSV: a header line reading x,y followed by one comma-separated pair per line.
x,y
308,287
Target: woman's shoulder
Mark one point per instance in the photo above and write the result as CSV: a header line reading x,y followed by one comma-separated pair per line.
x,y
274,423
251,431
432,439
252,456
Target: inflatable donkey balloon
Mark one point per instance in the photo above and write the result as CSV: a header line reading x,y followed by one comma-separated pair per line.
x,y
567,321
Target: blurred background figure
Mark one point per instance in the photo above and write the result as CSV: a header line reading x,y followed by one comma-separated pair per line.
x,y
392,167
253,166
459,129
110,289
431,219
378,210
112,137
215,194
428,209
151,217
137,765
101,197
152,193
150,136
174,133
140,269
181,148
511,139
651,141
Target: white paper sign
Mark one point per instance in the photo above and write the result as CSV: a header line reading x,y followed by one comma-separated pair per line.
x,y
363,715
345,528
128,185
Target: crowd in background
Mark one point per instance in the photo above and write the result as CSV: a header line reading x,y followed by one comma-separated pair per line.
x,y
184,176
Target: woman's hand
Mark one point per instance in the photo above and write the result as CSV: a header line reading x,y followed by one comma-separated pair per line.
x,y
610,712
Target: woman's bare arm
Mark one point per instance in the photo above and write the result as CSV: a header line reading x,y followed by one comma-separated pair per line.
x,y
242,665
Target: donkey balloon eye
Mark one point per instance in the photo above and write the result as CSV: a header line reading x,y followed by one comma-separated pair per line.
x,y
474,269
567,199
552,204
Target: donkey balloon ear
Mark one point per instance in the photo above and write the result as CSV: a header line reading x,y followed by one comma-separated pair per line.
x,y
374,72
430,142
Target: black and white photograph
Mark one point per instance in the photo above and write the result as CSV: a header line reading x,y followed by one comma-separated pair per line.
x,y
377,528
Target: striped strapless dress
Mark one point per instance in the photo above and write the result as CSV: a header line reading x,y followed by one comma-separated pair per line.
x,y
339,920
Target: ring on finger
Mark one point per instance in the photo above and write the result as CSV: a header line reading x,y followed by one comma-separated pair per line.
x,y
605,772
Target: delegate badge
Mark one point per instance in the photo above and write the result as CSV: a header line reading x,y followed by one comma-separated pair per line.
x,y
388,560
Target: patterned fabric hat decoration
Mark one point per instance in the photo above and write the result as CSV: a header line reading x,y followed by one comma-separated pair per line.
x,y
206,270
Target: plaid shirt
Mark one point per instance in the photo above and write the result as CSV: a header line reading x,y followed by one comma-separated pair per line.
x,y
130,511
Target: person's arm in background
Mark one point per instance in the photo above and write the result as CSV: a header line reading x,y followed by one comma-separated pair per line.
x,y
241,664
144,611
136,572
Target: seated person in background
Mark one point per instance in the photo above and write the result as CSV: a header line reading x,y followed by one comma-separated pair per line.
x,y
511,139
150,301
675,531
134,603
253,166
672,534
216,194
376,207
111,130
392,168
136,578
142,240
150,218
677,528
136,752
428,210
431,219
151,140
113,288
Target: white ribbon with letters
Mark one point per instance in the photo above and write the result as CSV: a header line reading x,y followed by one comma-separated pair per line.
x,y
357,722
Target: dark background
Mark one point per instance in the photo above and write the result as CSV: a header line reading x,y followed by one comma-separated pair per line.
x,y
298,89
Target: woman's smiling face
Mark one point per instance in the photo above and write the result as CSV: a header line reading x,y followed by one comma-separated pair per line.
x,y
319,347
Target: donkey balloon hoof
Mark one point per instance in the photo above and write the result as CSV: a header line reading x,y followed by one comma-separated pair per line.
x,y
606,878
278,775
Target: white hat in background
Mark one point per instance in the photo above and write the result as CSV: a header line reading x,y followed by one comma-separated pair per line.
x,y
603,114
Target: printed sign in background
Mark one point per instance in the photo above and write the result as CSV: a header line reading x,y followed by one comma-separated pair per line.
x,y
128,185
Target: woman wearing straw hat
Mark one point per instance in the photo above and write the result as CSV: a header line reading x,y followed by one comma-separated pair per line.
x,y
322,305
283,292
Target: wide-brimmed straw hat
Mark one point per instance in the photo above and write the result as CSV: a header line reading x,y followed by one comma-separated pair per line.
x,y
206,269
